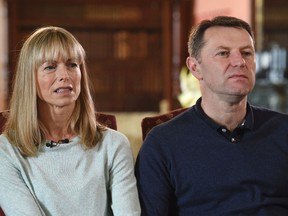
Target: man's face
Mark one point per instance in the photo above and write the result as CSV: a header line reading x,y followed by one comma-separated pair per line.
x,y
226,66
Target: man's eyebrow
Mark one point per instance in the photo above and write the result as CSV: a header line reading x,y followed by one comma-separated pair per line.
x,y
222,47
228,48
248,47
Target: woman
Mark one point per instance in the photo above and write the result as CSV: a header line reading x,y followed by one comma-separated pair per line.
x,y
55,159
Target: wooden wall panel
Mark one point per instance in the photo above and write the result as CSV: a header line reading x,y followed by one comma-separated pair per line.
x,y
124,41
275,23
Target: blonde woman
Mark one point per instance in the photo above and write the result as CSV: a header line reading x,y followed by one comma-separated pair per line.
x,y
55,159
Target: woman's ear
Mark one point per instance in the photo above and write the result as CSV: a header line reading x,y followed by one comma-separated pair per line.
x,y
194,67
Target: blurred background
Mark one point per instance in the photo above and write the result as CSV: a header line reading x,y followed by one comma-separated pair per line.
x,y
137,50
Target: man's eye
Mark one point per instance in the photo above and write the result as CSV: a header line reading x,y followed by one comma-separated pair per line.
x,y
247,53
223,53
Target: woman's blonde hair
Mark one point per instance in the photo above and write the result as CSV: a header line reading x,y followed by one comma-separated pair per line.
x,y
23,128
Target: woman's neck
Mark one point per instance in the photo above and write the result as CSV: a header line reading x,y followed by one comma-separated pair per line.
x,y
56,122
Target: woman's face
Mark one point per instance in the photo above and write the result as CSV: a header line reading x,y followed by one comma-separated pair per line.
x,y
58,83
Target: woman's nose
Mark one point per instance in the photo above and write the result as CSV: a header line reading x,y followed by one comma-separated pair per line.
x,y
63,74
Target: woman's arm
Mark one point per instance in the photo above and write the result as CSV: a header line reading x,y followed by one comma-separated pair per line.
x,y
15,197
124,194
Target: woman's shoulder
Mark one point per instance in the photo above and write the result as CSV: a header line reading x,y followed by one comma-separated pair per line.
x,y
7,149
114,138
4,143
112,132
115,145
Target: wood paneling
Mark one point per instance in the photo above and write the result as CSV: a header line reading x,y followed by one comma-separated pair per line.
x,y
127,44
275,23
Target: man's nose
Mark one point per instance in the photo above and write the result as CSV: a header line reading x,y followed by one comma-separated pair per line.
x,y
237,59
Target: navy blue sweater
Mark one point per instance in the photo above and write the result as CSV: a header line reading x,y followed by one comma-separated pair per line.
x,y
191,166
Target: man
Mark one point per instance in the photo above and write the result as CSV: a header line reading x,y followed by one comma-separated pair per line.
x,y
222,156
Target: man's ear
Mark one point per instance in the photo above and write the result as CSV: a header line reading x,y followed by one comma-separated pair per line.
x,y
193,66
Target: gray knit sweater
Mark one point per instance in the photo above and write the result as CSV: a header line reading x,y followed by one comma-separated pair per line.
x,y
67,180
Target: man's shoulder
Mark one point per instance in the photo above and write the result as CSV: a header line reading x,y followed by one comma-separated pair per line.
x,y
265,116
177,125
267,112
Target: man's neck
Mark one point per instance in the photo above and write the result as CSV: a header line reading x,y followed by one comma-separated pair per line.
x,y
227,114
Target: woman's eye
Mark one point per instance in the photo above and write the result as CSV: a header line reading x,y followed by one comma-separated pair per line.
x,y
73,65
49,68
